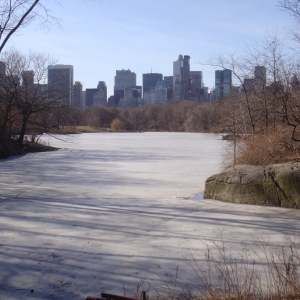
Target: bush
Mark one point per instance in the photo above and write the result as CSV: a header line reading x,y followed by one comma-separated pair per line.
x,y
264,149
116,125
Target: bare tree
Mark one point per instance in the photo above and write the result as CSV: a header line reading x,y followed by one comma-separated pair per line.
x,y
292,6
16,14
153,113
23,92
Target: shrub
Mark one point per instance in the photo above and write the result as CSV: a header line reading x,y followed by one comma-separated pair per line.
x,y
116,125
264,149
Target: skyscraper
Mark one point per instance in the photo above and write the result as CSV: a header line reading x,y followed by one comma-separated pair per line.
x,y
161,92
132,94
260,75
181,78
123,78
223,82
77,95
169,83
150,80
196,85
102,88
60,82
28,78
186,77
96,95
89,97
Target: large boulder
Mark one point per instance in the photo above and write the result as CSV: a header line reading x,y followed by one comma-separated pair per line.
x,y
274,185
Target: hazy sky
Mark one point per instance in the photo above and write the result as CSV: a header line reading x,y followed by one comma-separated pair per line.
x,y
99,37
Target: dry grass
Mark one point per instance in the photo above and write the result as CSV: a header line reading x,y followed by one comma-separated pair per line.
x,y
264,149
262,272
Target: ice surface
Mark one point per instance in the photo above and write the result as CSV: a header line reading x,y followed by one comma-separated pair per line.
x,y
107,210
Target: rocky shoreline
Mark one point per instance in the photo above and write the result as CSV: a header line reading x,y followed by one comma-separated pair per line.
x,y
272,185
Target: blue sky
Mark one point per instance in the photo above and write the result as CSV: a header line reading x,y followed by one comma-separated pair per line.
x,y
99,37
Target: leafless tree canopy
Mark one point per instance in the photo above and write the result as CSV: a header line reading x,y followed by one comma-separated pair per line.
x,y
25,102
292,6
16,14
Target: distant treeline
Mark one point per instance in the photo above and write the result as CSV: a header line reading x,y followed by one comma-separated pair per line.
x,y
186,116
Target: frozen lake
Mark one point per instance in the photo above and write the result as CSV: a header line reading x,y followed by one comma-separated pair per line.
x,y
107,210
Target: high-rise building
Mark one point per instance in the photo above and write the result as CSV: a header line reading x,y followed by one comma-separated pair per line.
x,y
260,75
96,95
60,82
131,96
169,81
84,100
150,80
169,84
157,94
186,77
102,89
111,101
28,78
223,82
89,97
77,95
256,84
181,78
161,92
196,84
123,78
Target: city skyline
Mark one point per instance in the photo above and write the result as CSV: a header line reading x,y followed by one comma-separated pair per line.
x,y
99,37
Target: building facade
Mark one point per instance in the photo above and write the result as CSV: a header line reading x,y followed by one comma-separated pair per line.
x,y
123,78
223,83
60,82
131,96
181,78
169,83
77,95
150,80
260,75
96,96
196,84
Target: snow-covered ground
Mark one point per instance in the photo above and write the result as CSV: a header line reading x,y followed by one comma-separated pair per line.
x,y
107,210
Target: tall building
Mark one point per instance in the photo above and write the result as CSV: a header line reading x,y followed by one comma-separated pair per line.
x,y
89,97
169,84
102,89
161,92
77,95
223,82
111,101
150,80
123,78
256,84
60,82
186,77
131,96
28,78
260,75
96,96
196,84
181,78
157,94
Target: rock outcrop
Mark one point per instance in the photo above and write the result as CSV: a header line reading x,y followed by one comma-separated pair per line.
x,y
273,185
